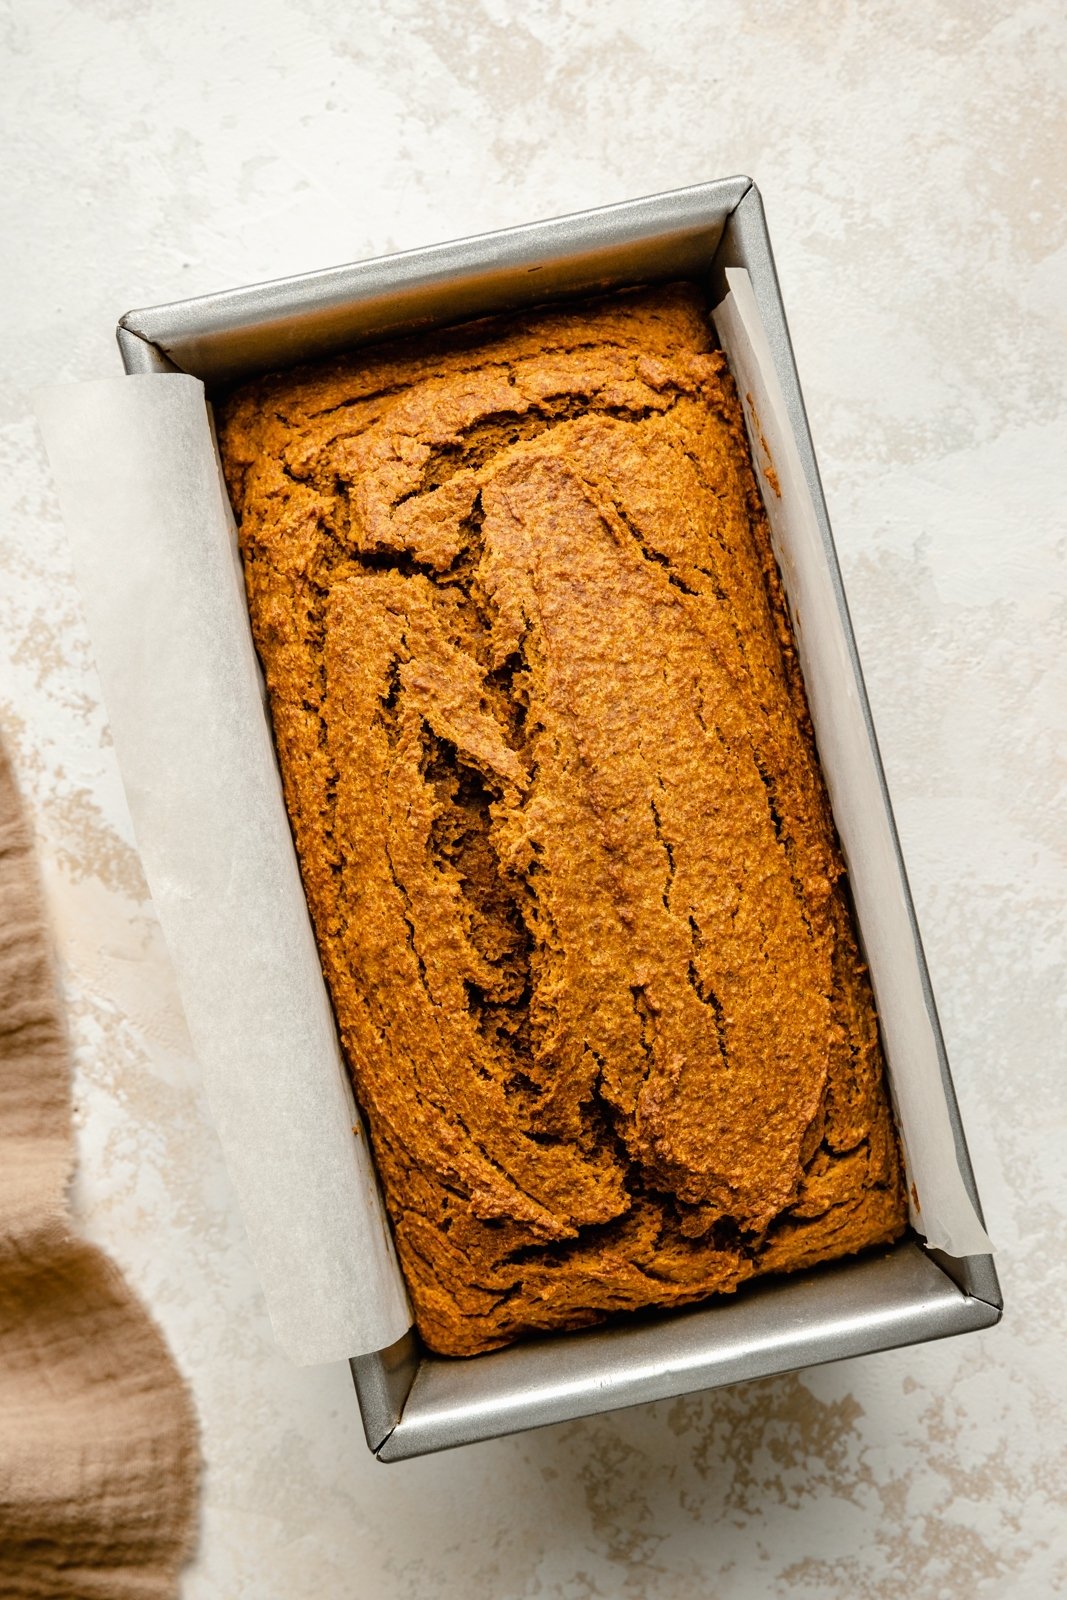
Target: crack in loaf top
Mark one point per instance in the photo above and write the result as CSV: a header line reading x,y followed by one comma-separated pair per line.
x,y
562,830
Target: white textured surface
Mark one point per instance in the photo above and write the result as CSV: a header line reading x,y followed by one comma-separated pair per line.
x,y
910,156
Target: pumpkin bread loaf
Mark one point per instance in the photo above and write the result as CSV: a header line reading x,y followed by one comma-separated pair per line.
x,y
563,833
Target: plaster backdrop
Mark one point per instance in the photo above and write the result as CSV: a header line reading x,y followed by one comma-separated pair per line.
x,y
910,154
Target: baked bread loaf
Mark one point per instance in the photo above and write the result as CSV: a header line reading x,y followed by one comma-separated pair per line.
x,y
554,790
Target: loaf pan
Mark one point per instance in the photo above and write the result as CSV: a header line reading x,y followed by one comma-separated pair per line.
x,y
413,1402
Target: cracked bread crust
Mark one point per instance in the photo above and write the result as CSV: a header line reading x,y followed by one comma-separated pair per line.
x,y
568,852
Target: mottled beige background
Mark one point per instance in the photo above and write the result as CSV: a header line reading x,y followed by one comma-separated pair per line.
x,y
911,157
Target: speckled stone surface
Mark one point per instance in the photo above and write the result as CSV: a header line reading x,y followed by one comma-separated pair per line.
x,y
910,157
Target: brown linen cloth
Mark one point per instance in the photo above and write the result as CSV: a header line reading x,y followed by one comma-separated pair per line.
x,y
98,1439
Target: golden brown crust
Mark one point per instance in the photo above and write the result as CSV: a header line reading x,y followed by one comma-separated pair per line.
x,y
563,834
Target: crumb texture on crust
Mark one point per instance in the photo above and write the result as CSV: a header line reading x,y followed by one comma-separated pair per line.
x,y
562,829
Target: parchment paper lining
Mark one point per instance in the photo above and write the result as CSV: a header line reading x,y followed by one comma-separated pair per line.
x,y
156,559
941,1208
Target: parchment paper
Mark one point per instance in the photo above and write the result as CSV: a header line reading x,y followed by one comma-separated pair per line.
x,y
156,560
941,1208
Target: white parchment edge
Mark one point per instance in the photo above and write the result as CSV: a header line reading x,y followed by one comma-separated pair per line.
x,y
156,560
941,1208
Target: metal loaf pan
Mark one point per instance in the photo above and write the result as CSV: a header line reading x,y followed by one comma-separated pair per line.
x,y
413,1402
